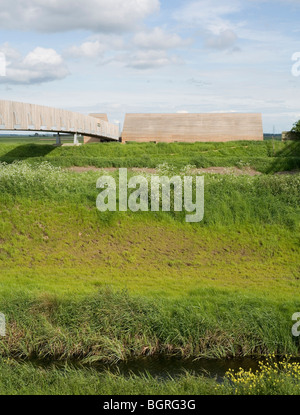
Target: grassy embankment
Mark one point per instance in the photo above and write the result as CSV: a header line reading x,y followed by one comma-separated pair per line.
x,y
77,283
266,157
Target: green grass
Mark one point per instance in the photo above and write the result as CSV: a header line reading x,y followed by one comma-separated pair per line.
x,y
265,156
105,287
111,326
28,379
77,283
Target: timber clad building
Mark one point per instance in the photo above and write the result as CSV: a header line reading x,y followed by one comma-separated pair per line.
x,y
192,127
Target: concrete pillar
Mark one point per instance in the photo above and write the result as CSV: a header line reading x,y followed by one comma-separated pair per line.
x,y
58,140
76,139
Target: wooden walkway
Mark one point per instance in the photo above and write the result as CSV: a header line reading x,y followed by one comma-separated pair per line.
x,y
18,116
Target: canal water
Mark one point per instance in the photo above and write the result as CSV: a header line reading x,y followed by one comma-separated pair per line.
x,y
166,367
162,367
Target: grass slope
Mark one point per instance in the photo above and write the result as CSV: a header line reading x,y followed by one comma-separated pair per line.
x,y
266,157
77,283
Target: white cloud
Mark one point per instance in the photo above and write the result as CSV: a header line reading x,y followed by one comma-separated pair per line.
x,y
65,15
90,49
145,50
159,39
208,14
212,20
151,59
95,46
38,66
224,40
42,57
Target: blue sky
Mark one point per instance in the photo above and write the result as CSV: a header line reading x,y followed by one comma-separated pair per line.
x,y
155,56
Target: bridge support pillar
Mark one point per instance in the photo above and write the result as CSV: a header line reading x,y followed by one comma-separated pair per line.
x,y
58,140
76,142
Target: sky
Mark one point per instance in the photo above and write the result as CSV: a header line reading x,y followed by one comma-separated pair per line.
x,y
156,56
